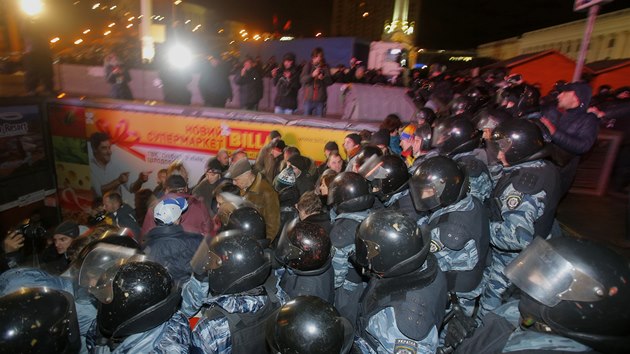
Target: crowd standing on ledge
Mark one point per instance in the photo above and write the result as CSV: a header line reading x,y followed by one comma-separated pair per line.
x,y
437,234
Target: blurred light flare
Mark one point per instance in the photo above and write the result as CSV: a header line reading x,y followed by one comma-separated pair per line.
x,y
32,7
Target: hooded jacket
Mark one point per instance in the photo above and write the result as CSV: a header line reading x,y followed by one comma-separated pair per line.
x,y
576,129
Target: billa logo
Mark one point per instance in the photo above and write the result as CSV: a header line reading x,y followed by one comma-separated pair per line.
x,y
248,140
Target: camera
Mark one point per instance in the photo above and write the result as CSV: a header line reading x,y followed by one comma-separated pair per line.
x,y
98,218
32,231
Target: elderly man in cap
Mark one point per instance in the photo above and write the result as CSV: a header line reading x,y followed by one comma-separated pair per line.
x,y
168,243
573,130
256,189
205,189
196,219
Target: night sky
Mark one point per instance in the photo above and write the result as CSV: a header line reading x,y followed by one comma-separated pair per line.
x,y
444,24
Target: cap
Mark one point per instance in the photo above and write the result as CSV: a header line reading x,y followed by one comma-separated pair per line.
x,y
169,210
214,165
238,168
274,134
289,56
331,146
68,228
381,137
354,137
285,178
408,132
299,161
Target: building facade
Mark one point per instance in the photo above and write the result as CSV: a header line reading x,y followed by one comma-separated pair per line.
x,y
367,19
610,40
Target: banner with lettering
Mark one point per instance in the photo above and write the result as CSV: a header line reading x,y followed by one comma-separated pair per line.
x,y
146,142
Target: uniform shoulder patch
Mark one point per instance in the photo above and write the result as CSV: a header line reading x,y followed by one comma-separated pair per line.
x,y
436,246
513,200
405,346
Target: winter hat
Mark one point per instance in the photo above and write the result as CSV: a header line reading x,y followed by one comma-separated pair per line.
x,y
286,178
299,161
408,132
238,168
354,137
274,134
381,137
68,228
169,210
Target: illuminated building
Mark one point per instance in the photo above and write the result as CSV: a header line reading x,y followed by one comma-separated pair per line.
x,y
610,39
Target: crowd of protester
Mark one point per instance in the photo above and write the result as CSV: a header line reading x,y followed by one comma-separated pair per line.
x,y
433,234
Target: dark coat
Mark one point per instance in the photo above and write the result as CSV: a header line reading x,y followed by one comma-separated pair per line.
x,y
173,248
287,89
250,87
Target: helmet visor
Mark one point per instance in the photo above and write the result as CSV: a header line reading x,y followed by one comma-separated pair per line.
x,y
425,196
371,168
101,258
99,277
545,275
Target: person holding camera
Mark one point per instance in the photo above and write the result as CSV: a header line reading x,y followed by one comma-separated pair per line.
x,y
23,244
287,82
316,78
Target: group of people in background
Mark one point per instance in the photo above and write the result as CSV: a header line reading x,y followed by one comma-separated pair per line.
x,y
434,234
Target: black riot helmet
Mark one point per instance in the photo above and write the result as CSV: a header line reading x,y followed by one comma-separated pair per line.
x,y
489,118
303,246
424,132
142,297
460,105
309,325
478,95
39,320
425,116
437,182
520,140
577,289
455,135
349,192
387,174
389,244
365,153
237,263
521,99
248,220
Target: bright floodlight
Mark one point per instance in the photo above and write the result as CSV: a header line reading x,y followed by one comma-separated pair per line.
x,y
179,56
32,7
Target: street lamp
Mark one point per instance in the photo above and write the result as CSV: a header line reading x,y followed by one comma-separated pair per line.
x,y
32,7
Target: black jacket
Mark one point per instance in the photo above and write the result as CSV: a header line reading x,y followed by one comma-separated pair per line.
x,y
173,248
287,89
250,87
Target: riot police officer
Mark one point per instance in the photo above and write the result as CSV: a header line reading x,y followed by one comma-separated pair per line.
x,y
350,200
388,177
406,294
304,252
522,101
458,224
232,282
522,204
309,325
459,139
575,296
39,320
137,310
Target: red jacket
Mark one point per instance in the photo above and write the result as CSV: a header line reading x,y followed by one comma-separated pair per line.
x,y
195,219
